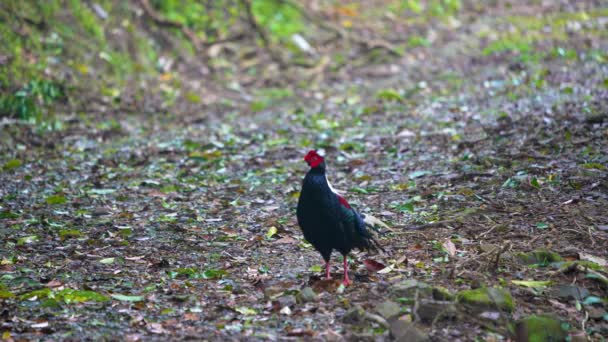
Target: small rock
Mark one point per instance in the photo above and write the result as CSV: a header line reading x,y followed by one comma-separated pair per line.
x,y
539,328
286,311
409,288
429,310
490,315
354,315
101,211
307,294
564,291
487,298
287,301
440,293
388,309
596,312
273,292
407,331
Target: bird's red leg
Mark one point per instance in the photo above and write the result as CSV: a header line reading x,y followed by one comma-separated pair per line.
x,y
346,281
327,275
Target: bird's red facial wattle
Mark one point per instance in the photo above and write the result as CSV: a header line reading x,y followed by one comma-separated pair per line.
x,y
313,159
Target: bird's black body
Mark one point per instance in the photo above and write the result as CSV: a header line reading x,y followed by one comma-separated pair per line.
x,y
327,220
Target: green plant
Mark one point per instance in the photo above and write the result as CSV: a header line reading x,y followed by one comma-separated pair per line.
x,y
27,102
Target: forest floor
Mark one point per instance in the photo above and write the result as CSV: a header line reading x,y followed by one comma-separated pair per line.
x,y
486,154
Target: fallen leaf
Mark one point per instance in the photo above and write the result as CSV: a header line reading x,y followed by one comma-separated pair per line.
x,y
271,232
372,265
54,283
449,246
532,283
286,240
156,328
126,298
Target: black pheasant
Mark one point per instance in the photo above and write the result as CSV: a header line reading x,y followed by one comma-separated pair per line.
x,y
327,220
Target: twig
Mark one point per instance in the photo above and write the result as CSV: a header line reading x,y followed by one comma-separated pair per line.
x,y
487,231
376,318
432,224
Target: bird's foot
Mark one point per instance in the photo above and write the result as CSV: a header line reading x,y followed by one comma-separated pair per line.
x,y
346,282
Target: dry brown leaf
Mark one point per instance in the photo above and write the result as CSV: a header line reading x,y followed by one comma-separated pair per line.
x,y
449,247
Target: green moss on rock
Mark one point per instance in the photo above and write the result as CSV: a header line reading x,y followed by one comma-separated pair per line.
x,y
487,298
539,328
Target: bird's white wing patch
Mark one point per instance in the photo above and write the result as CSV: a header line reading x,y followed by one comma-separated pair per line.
x,y
373,221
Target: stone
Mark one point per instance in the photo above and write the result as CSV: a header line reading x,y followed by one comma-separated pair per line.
x,y
354,315
407,331
485,298
408,288
307,294
539,328
441,293
566,291
430,310
388,309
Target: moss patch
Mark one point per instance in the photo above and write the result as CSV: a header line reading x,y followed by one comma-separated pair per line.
x,y
537,328
540,257
485,298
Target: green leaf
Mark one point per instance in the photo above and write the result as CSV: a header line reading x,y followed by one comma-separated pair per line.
x,y
534,183
245,310
101,191
271,232
80,296
315,268
27,240
6,294
69,233
55,199
542,225
532,283
592,300
389,95
107,261
359,190
214,274
7,214
419,173
11,164
39,294
188,272
406,206
596,166
510,183
127,298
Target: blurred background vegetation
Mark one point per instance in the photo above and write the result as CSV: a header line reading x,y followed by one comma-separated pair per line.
x,y
178,56
148,55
